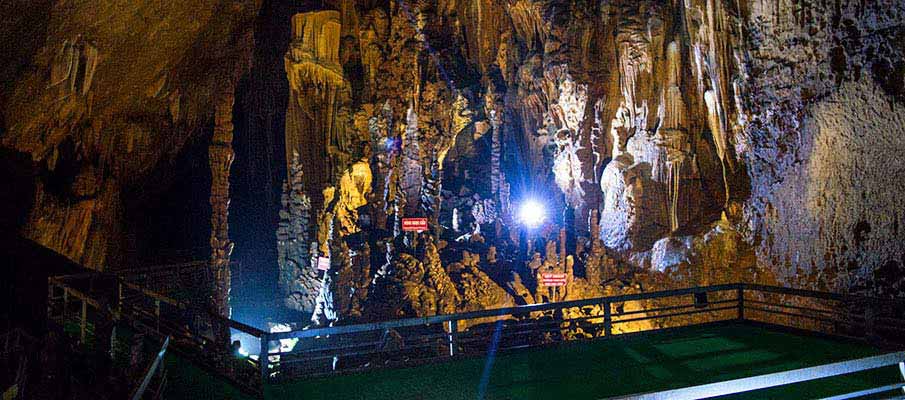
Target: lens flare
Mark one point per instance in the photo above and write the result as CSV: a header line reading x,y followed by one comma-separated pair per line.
x,y
532,213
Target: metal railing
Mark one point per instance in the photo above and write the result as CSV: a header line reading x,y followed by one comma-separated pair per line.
x,y
79,302
784,378
348,348
417,340
155,366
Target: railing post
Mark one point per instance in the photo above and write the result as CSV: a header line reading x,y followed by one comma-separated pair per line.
x,y
607,319
84,323
740,294
157,313
453,327
264,358
65,306
902,372
119,296
869,314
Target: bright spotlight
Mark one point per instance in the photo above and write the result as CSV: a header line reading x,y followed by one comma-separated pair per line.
x,y
532,213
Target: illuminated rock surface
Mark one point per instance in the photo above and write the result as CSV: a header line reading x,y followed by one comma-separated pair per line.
x,y
672,143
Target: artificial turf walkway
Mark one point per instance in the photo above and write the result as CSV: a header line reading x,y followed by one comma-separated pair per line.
x,y
586,370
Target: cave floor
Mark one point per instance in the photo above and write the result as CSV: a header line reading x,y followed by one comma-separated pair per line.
x,y
585,370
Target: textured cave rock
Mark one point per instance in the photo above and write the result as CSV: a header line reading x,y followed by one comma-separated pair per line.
x,y
113,92
689,142
317,116
299,278
661,145
825,127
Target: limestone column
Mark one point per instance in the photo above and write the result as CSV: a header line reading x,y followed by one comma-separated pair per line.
x,y
220,157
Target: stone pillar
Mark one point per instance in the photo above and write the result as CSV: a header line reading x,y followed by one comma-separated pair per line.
x,y
220,157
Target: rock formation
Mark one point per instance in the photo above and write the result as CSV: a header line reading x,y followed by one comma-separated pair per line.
x,y
101,97
220,158
638,117
672,143
317,119
299,276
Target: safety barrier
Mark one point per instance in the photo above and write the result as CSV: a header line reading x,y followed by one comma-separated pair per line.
x,y
198,334
417,340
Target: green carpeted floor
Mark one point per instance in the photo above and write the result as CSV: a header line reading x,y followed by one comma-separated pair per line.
x,y
588,370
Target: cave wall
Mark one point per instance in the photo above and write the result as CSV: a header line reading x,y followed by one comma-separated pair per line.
x,y
826,123
657,123
110,91
691,127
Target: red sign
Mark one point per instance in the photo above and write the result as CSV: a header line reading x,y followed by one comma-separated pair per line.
x,y
553,279
414,224
323,263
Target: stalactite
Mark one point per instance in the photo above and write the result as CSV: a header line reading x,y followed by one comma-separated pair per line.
x,y
494,112
673,134
317,117
73,68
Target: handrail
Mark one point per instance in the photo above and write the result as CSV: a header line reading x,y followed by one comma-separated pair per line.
x,y
152,369
497,312
775,379
820,295
416,321
458,340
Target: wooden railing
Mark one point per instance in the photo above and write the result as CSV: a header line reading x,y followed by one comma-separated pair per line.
x,y
347,348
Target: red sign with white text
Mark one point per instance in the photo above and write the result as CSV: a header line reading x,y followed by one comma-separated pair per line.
x,y
414,224
323,263
553,279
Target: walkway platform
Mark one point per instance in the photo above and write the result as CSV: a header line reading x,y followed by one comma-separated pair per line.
x,y
582,370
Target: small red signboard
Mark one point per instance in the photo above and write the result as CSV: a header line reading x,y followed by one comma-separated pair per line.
x,y
553,279
323,263
414,224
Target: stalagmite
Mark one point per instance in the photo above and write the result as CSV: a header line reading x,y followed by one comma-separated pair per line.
x,y
299,278
411,164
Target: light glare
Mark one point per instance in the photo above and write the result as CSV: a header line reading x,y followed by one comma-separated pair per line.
x,y
532,213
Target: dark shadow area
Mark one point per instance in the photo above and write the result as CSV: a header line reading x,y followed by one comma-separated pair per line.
x,y
166,217
259,169
19,192
23,289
